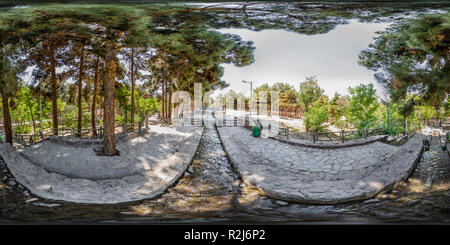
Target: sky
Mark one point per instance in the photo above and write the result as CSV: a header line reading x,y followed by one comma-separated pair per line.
x,y
282,56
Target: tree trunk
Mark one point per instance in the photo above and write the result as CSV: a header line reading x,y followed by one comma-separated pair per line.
x,y
126,120
40,114
94,96
405,123
80,91
163,100
54,91
170,102
32,119
132,87
388,118
6,117
167,99
109,141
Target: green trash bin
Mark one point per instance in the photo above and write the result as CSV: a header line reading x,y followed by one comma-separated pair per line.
x,y
256,131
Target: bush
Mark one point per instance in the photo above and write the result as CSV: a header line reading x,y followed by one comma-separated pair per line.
x,y
315,117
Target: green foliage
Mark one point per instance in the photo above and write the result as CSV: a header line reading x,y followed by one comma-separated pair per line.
x,y
338,109
120,119
69,114
25,108
309,92
315,117
235,97
412,58
426,112
287,96
442,113
145,107
396,120
8,71
363,106
20,118
123,96
185,49
189,51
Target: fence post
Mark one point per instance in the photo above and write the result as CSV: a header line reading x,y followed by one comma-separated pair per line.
x,y
101,132
365,133
73,132
287,133
343,136
124,128
314,136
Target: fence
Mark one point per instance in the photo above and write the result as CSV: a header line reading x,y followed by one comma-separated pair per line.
x,y
345,135
88,133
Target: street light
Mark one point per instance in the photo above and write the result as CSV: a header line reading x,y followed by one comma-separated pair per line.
x,y
250,100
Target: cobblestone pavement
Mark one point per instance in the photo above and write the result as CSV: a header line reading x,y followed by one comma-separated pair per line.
x,y
137,155
211,191
148,164
312,175
424,196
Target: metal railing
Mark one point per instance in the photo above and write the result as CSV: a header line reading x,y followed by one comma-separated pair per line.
x,y
284,131
345,135
228,122
87,133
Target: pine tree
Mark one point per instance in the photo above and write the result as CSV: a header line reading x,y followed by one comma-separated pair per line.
x,y
413,58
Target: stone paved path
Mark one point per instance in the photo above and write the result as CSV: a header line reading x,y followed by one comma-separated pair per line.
x,y
147,166
425,196
311,175
210,191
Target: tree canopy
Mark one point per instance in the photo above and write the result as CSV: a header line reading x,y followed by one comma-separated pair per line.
x,y
413,58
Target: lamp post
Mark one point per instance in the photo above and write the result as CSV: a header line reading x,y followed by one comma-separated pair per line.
x,y
250,100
